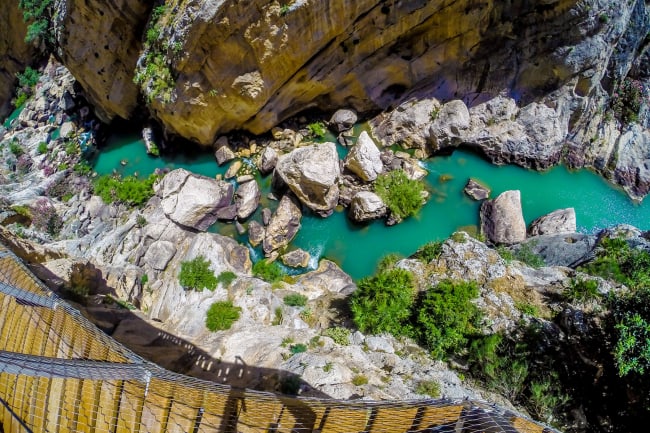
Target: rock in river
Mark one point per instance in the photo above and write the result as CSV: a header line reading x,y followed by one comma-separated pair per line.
x,y
502,220
312,173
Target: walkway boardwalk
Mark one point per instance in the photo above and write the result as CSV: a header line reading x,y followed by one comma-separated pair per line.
x,y
60,374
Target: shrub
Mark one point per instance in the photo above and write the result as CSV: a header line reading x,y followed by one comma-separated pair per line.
x,y
402,195
196,274
130,190
270,272
382,303
359,380
221,315
295,300
615,260
428,387
16,148
429,252
226,278
298,348
28,78
42,148
526,254
627,99
45,217
582,290
339,335
317,129
505,253
446,316
388,262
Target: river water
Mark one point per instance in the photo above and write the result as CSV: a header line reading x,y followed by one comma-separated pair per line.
x,y
357,249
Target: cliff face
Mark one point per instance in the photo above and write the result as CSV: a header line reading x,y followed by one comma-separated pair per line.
x,y
15,53
212,66
99,42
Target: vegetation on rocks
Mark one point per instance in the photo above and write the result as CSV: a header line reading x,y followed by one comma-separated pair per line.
x,y
196,274
130,190
403,196
38,14
295,300
26,82
221,316
270,272
627,99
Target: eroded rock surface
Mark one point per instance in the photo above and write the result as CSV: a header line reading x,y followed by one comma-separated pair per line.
x,y
556,222
364,158
284,224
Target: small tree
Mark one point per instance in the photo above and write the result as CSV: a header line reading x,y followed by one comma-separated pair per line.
x,y
197,275
45,217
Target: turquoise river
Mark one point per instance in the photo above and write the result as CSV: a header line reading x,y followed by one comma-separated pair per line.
x,y
357,249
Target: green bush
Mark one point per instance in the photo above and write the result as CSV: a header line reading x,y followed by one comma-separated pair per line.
x,y
129,190
446,316
197,275
359,380
42,148
388,262
582,290
221,315
627,100
28,78
298,348
429,252
270,272
295,300
616,260
317,129
630,316
428,387
382,303
505,254
16,148
226,278
339,335
402,195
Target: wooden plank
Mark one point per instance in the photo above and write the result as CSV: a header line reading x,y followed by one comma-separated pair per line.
x,y
39,333
107,405
396,420
526,426
69,405
21,321
53,339
130,407
38,403
345,420
86,406
54,405
7,325
437,416
214,404
20,396
155,411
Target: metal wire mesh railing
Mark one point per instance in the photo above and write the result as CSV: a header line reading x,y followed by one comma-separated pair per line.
x,y
59,373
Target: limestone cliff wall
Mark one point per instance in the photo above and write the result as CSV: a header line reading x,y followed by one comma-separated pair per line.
x,y
15,53
211,66
99,41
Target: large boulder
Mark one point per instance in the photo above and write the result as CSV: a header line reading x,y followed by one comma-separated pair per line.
x,y
502,219
247,198
364,158
342,120
365,206
192,200
312,173
556,222
283,226
298,258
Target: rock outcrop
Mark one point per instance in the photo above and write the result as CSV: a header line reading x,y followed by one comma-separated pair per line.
x,y
556,222
502,220
364,159
475,190
192,200
312,173
367,56
15,53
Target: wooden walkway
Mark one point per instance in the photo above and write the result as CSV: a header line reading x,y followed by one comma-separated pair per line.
x,y
59,374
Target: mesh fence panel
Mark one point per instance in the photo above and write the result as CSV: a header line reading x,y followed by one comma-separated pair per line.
x,y
59,373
